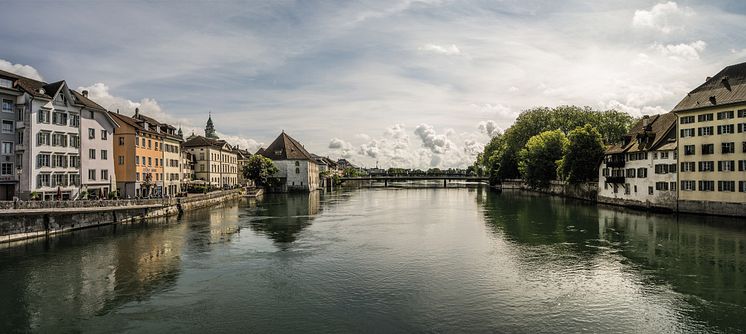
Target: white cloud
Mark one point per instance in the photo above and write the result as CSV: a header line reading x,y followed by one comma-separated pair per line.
x,y
664,17
22,70
430,139
448,50
100,93
489,128
689,51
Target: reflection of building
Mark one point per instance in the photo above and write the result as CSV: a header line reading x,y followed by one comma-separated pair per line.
x,y
286,215
712,144
642,169
297,169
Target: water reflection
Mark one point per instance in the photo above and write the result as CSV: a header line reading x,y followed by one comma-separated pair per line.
x,y
282,216
701,258
56,282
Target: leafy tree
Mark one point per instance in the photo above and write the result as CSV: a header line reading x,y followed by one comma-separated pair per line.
x,y
352,172
260,170
538,160
583,152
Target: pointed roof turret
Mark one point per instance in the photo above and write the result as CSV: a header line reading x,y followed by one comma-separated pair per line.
x,y
286,148
210,128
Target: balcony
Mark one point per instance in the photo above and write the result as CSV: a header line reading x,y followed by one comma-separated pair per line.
x,y
615,179
615,163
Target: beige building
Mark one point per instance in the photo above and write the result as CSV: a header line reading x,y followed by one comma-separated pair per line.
x,y
215,161
712,145
296,168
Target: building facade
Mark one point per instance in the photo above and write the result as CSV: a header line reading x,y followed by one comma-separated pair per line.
x,y
712,145
642,170
169,182
215,161
98,178
9,174
297,169
139,167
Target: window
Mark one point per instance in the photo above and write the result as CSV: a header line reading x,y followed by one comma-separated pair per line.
x,y
7,148
91,133
725,114
121,160
689,150
59,118
704,118
728,147
92,154
642,173
92,174
661,186
137,176
6,83
43,116
59,180
75,161
143,142
156,162
74,120
673,186
631,172
74,141
741,165
104,174
727,166
688,185
104,155
8,105
688,167
59,160
705,131
726,185
706,166
687,132
121,141
6,168
104,135
706,185
42,160
42,180
149,143
687,119
650,190
726,129
150,161
708,148
143,161
661,169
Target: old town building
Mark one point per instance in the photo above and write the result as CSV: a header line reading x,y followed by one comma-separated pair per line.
x,y
641,171
139,166
712,145
297,169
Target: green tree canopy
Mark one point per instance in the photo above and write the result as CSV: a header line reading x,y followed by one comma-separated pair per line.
x,y
538,159
583,152
259,169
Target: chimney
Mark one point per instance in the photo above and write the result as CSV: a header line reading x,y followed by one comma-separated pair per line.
x,y
117,110
85,93
645,121
708,79
137,112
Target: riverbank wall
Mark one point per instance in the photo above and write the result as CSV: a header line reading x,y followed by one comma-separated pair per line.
x,y
31,219
583,191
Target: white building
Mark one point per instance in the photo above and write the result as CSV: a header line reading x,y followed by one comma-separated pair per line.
x,y
297,169
48,149
97,156
642,170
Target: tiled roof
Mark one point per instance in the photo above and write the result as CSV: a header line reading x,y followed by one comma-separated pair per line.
x,y
286,148
201,141
86,102
658,132
726,87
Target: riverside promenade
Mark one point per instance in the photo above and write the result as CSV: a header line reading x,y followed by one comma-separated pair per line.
x,y
32,219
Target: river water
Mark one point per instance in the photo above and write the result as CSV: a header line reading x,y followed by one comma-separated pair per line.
x,y
385,260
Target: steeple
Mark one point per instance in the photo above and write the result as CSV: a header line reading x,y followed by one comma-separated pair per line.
x,y
210,128
180,133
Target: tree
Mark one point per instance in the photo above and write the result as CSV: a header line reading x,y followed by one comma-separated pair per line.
x,y
538,160
260,170
583,152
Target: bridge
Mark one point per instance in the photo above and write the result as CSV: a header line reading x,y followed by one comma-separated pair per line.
x,y
399,178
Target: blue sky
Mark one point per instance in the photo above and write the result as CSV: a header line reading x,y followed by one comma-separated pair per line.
x,y
404,83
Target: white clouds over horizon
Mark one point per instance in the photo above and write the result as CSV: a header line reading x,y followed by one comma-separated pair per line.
x,y
345,77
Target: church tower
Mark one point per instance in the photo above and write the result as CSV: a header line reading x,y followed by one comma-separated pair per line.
x,y
210,128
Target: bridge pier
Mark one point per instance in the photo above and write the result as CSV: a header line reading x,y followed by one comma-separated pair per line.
x,y
445,183
386,183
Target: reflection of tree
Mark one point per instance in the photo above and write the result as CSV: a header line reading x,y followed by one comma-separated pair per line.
x,y
539,220
283,216
692,254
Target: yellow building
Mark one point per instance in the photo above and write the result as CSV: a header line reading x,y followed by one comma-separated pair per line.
x,y
712,145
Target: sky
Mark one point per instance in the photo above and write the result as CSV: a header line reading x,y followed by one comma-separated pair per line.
x,y
398,83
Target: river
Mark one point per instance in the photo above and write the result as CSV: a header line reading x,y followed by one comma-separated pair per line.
x,y
385,260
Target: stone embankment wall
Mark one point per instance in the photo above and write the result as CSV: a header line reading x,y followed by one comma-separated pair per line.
x,y
585,191
30,219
